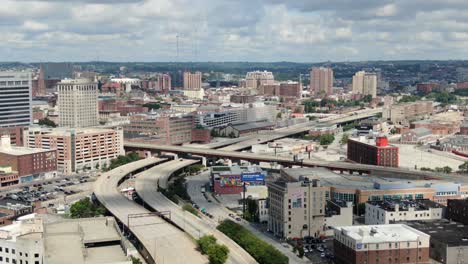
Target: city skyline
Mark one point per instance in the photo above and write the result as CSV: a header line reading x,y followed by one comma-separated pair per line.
x,y
260,30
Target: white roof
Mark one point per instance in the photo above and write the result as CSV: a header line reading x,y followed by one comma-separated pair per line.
x,y
381,233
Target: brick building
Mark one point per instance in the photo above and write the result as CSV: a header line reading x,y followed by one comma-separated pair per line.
x,y
15,133
464,128
28,163
426,88
282,89
457,210
380,244
378,153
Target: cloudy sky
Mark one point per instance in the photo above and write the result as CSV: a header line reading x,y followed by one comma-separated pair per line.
x,y
232,30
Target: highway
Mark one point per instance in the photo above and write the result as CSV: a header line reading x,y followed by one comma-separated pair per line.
x,y
163,241
285,161
146,186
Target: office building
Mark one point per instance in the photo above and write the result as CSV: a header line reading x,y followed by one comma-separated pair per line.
x,y
457,210
192,81
28,163
80,149
365,83
15,99
281,89
449,243
368,151
297,208
321,81
15,133
160,128
405,112
381,244
77,103
230,179
242,98
259,194
360,189
392,211
337,213
163,83
257,78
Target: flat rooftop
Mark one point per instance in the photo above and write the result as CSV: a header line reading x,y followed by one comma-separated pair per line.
x,y
381,233
451,233
405,205
80,236
19,151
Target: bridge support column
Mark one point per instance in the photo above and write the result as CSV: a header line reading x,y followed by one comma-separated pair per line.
x,y
204,161
229,162
351,172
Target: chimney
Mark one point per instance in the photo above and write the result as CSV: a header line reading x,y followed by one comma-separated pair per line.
x,y
5,142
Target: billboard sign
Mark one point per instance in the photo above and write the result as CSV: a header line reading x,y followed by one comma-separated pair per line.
x,y
252,176
229,181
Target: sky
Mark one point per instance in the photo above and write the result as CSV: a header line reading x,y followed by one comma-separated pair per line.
x,y
232,30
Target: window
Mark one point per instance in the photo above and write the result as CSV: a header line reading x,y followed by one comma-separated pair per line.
x,y
7,250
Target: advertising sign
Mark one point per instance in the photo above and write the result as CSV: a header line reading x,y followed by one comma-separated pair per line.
x,y
296,198
252,176
229,181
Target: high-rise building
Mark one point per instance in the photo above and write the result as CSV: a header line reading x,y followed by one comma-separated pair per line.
x,y
15,99
192,81
257,78
321,81
365,83
164,82
77,103
297,209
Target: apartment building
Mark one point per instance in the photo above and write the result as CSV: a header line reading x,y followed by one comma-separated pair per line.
x,y
15,99
257,78
192,81
77,103
381,244
297,208
404,112
392,211
365,83
281,89
78,149
321,81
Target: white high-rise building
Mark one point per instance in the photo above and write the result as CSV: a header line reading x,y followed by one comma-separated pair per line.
x,y
15,99
365,83
77,103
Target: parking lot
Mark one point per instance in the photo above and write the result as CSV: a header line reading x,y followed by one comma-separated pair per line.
x,y
49,190
318,251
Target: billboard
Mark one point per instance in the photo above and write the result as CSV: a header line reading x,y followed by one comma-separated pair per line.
x,y
252,176
296,197
229,181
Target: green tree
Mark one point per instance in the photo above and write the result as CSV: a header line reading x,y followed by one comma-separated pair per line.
x,y
463,167
300,252
252,210
326,139
189,208
205,242
344,139
47,122
136,260
217,254
85,208
279,115
152,106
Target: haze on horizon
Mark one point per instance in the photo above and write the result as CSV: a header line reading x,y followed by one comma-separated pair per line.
x,y
226,30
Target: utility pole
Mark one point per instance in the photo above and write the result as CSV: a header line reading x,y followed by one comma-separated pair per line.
x,y
243,200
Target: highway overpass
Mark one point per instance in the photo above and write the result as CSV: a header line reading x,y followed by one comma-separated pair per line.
x,y
288,162
158,240
146,186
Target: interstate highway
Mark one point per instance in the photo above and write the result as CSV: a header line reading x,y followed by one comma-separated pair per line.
x,y
164,242
146,186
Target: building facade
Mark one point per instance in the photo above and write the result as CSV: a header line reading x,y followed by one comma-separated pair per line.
x,y
403,113
381,244
457,210
321,81
379,153
78,149
365,83
257,78
77,103
297,209
192,81
392,211
15,99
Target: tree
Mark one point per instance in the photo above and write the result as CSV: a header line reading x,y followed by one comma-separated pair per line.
x,y
326,139
279,115
217,254
344,139
152,106
205,242
300,251
136,260
47,122
463,167
252,210
85,208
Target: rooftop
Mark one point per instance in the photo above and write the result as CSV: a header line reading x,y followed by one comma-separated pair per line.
x,y
451,233
405,205
381,233
19,151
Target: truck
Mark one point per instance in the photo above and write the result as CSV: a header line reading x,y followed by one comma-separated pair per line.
x,y
203,190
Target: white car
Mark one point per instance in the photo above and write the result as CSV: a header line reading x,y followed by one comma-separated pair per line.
x,y
322,255
320,249
306,250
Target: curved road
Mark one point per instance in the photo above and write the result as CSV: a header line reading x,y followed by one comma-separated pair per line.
x,y
146,186
164,242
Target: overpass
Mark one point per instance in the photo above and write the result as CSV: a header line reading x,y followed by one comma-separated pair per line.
x,y
236,144
288,162
146,186
158,240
